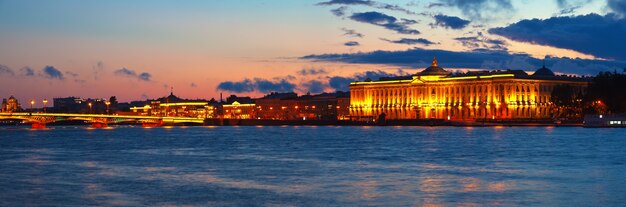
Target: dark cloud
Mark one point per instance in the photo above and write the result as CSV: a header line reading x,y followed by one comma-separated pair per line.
x,y
409,41
351,33
618,6
27,71
125,72
246,85
386,21
144,76
480,58
5,70
257,84
314,86
266,86
374,4
480,9
341,83
450,22
312,71
600,36
482,42
351,43
341,11
51,72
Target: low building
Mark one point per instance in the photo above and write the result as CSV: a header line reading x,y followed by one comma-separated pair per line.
x,y
174,106
236,110
290,106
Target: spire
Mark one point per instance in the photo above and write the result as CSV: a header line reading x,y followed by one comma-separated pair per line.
x,y
434,64
172,91
544,63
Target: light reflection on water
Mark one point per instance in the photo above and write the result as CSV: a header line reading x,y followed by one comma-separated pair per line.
x,y
313,166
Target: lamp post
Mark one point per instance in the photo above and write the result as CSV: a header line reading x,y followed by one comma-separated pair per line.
x,y
32,103
89,106
107,103
44,105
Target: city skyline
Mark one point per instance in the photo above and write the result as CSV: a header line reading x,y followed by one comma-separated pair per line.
x,y
135,50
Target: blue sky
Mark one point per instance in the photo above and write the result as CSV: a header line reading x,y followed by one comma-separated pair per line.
x,y
140,49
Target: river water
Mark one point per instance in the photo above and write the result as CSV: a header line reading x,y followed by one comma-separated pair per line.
x,y
313,166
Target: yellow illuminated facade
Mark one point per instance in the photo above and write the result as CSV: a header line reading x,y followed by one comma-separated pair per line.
x,y
238,110
435,93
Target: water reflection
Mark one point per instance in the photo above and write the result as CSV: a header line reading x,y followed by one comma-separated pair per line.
x,y
313,166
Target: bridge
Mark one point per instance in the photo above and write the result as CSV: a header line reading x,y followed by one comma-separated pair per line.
x,y
39,120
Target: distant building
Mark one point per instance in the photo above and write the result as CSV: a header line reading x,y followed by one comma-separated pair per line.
x,y
80,105
290,106
236,110
437,93
10,105
174,106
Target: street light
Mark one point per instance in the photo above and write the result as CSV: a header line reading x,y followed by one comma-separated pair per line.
x,y
32,103
107,103
44,105
89,107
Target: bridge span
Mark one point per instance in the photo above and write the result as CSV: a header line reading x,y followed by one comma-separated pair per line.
x,y
39,120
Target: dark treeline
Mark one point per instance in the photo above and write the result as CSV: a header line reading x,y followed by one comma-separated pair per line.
x,y
607,93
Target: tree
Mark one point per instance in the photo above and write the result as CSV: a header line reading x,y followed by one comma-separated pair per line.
x,y
607,90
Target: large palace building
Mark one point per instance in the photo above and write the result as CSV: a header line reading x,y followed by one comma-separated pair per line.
x,y
435,93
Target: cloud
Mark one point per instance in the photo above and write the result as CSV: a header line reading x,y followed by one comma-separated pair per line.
x,y
266,86
246,85
341,11
99,66
374,4
125,72
409,41
450,22
314,86
73,74
27,71
351,33
257,84
144,76
480,58
482,42
480,9
51,72
618,6
351,43
5,70
386,21
341,83
312,71
600,36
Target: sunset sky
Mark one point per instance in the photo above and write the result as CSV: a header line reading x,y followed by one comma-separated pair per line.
x,y
140,49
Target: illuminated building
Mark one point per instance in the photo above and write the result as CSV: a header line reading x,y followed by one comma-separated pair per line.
x,y
10,105
435,93
238,110
290,106
172,106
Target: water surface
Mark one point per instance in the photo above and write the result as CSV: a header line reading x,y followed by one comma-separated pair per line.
x,y
313,166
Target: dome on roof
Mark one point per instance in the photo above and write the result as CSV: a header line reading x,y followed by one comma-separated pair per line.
x,y
434,69
543,71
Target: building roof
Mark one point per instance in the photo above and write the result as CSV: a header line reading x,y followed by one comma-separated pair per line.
x,y
543,71
434,69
